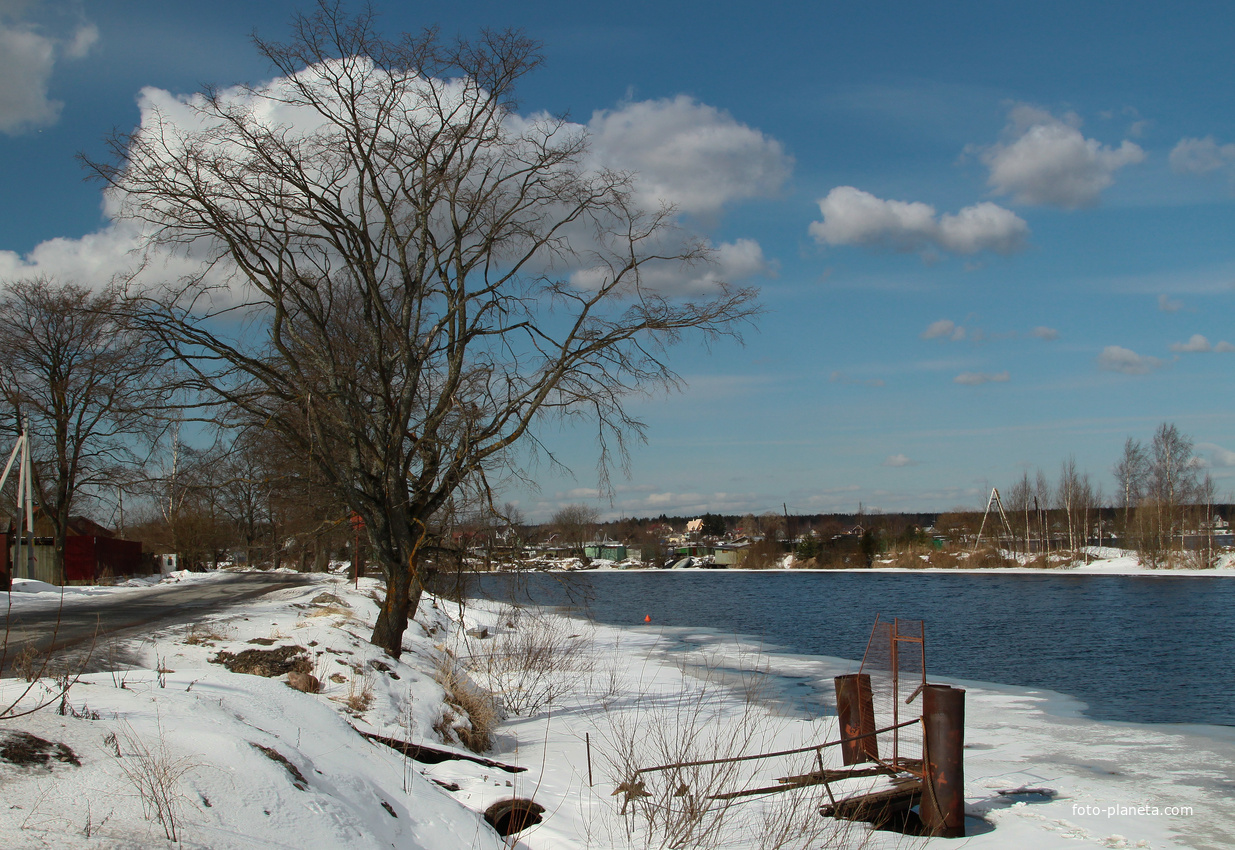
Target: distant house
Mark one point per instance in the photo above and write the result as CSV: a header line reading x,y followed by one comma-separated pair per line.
x,y
609,550
91,552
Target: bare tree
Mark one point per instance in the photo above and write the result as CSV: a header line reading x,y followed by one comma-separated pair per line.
x,y
1132,476
576,524
418,276
87,381
1020,502
1067,499
1206,493
1172,483
1041,505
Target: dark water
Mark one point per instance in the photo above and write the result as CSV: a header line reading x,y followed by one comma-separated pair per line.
x,y
1147,649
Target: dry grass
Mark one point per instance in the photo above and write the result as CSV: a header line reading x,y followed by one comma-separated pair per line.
x,y
28,663
477,705
204,634
156,775
359,690
331,611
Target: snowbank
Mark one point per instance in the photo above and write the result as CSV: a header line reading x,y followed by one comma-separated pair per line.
x,y
246,761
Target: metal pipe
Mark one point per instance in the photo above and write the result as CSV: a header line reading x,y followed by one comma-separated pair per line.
x,y
778,753
943,794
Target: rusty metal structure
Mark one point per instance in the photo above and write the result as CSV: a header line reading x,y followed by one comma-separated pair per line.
x,y
905,737
895,662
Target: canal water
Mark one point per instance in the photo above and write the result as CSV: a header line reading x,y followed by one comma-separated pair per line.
x,y
1142,649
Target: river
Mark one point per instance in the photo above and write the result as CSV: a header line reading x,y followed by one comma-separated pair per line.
x,y
1143,649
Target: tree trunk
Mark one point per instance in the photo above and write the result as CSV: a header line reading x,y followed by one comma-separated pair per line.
x,y
402,597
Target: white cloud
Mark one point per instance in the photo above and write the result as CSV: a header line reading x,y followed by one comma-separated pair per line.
x,y
693,156
1115,358
1169,305
1047,160
899,460
28,56
973,379
1219,457
689,154
1196,343
83,39
854,217
1043,332
732,263
1200,344
944,328
1201,156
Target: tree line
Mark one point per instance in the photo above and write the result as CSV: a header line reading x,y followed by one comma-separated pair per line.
x,y
1161,494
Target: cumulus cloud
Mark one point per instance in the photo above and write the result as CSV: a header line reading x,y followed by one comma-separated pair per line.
x,y
1116,358
1201,156
899,460
1198,343
1169,305
1047,160
854,217
973,379
28,56
944,329
1043,332
693,156
687,154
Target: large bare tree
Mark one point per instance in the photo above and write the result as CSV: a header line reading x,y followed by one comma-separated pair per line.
x,y
401,274
88,382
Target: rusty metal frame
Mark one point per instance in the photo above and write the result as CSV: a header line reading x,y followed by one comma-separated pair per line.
x,y
897,766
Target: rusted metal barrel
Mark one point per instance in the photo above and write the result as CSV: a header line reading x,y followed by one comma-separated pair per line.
x,y
855,709
943,793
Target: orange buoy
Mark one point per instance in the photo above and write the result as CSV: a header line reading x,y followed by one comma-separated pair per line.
x,y
648,618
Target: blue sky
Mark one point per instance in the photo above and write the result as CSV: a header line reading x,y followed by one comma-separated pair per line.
x,y
988,235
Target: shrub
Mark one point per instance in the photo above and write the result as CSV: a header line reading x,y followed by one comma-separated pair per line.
x,y
534,660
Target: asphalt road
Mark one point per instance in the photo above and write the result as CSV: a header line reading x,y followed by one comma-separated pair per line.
x,y
84,623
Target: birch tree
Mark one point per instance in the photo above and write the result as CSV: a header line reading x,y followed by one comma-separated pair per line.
x,y
1131,475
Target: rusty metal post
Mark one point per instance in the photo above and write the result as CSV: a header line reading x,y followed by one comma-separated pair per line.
x,y
855,709
943,782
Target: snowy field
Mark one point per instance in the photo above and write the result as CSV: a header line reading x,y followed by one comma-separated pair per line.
x,y
179,751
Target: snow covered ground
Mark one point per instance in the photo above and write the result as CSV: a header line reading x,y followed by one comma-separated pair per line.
x,y
242,760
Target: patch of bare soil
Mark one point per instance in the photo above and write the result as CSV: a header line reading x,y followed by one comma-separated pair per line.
x,y
25,749
266,662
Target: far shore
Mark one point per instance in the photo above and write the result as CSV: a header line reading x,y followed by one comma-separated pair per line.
x,y
1103,562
